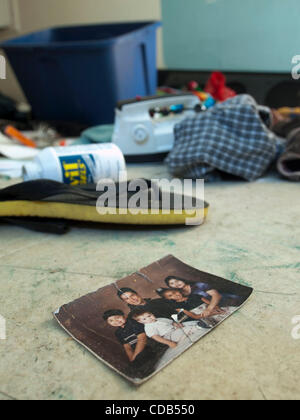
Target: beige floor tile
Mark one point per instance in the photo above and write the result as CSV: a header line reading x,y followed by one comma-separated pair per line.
x,y
252,237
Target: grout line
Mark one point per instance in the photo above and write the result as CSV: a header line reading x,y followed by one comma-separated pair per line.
x,y
24,247
53,271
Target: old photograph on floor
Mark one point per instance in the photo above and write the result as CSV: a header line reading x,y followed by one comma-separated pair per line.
x,y
141,323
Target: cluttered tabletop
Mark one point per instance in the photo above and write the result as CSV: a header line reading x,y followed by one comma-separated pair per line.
x,y
62,242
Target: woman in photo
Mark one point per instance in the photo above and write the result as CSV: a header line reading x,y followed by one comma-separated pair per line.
x,y
213,296
195,307
189,303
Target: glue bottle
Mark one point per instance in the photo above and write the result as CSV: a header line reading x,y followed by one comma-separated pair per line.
x,y
77,165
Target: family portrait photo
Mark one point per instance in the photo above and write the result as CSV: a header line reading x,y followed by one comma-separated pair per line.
x,y
141,323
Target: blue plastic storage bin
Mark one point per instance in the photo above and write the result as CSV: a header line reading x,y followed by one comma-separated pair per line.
x,y
79,73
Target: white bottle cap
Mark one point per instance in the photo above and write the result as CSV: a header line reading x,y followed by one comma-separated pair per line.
x,y
32,171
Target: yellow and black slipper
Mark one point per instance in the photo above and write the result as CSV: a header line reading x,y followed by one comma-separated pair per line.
x,y
47,199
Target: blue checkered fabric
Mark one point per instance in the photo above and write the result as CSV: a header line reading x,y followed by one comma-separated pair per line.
x,y
233,137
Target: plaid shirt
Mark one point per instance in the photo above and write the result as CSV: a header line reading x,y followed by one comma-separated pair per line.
x,y
232,137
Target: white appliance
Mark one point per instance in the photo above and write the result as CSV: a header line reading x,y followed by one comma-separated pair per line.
x,y
145,126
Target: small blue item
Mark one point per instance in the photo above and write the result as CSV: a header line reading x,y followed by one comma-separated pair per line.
x,y
210,102
98,134
79,73
177,109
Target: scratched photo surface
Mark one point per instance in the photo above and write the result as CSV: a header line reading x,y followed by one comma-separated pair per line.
x,y
139,324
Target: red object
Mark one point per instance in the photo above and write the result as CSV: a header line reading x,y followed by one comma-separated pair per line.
x,y
216,86
192,86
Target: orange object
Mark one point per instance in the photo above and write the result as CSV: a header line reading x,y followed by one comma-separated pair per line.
x,y
289,112
202,96
17,135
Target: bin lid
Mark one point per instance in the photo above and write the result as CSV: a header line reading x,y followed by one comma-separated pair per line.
x,y
80,36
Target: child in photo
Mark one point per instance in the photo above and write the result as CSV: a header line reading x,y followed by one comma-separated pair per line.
x,y
166,331
178,337
141,357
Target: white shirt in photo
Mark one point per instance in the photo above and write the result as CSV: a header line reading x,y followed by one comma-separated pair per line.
x,y
162,327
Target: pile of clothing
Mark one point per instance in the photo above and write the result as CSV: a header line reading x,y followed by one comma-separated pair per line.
x,y
238,138
288,163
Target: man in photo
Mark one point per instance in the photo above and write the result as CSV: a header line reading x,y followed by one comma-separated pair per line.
x,y
160,307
